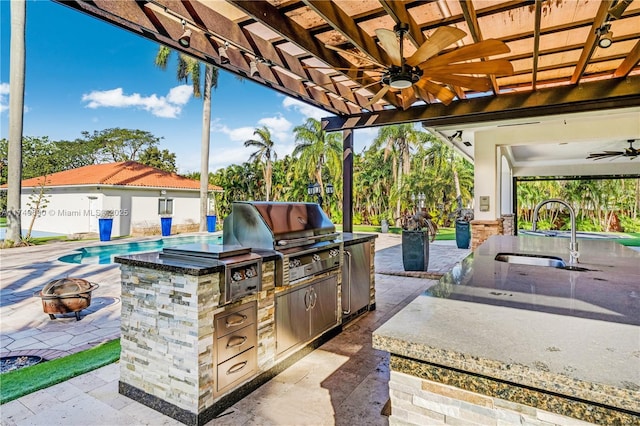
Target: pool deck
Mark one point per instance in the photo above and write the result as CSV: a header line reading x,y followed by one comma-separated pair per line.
x,y
343,380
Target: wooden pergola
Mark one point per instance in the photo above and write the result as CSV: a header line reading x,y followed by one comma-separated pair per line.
x,y
332,54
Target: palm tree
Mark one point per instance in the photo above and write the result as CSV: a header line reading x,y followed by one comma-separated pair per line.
x,y
398,141
16,111
265,153
316,150
190,67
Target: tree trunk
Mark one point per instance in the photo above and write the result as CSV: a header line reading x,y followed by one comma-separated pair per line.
x,y
204,147
268,176
399,200
16,111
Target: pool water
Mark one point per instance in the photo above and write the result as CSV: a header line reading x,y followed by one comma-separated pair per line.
x,y
104,254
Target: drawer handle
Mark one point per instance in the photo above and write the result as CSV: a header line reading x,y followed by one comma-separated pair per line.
x,y
239,366
238,341
242,319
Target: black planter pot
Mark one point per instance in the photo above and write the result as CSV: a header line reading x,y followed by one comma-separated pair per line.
x,y
463,234
415,250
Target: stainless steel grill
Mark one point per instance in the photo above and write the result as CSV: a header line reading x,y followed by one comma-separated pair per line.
x,y
301,234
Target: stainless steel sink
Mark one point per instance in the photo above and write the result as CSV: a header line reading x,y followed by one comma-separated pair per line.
x,y
531,259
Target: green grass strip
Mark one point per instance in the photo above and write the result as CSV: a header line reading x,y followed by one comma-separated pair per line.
x,y
24,381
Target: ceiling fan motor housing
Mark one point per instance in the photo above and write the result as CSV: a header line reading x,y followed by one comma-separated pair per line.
x,y
402,77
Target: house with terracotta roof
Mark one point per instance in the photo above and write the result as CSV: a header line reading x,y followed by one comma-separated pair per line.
x,y
136,195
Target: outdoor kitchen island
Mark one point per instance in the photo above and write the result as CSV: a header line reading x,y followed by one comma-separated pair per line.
x,y
203,325
496,342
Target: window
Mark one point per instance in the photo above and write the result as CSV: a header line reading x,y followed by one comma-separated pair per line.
x,y
165,206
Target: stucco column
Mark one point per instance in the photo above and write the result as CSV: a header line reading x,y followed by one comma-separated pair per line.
x,y
487,190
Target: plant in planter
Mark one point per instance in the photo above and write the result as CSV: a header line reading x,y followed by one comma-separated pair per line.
x,y
105,224
463,227
415,240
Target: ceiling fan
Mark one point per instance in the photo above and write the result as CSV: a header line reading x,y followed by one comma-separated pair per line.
x,y
425,72
630,152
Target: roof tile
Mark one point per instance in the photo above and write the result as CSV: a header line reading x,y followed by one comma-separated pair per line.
x,y
128,173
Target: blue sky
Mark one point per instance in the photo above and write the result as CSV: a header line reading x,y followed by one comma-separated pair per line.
x,y
84,74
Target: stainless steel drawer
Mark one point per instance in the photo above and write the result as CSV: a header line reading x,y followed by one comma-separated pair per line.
x,y
234,343
237,368
229,322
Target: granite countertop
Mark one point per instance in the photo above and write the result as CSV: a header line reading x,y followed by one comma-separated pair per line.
x,y
575,333
350,238
192,265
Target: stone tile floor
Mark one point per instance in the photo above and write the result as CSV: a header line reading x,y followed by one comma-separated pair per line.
x,y
344,382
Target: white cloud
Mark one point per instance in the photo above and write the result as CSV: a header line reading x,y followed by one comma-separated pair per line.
x,y
180,95
4,91
277,124
305,109
160,106
239,134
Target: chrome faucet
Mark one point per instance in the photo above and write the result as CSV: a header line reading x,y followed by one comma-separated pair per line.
x,y
573,246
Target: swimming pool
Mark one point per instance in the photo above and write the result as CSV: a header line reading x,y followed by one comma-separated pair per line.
x,y
104,254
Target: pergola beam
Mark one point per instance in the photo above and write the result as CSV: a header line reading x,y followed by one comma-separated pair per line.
x,y
592,96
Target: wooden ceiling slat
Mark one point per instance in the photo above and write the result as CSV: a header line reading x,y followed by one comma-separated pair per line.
x,y
536,43
629,63
472,21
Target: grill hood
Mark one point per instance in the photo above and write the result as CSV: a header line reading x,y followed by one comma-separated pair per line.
x,y
276,225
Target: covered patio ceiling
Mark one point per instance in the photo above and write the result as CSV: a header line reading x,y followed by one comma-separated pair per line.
x,y
331,54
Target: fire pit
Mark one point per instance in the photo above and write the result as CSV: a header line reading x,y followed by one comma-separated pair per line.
x,y
10,363
66,295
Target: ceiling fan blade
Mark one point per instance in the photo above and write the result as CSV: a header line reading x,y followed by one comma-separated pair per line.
x,y
377,97
442,93
481,49
606,154
408,96
366,86
389,41
441,38
479,84
357,55
496,67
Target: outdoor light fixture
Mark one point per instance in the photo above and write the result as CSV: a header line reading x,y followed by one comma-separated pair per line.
x,y
222,53
420,198
185,38
314,189
456,137
253,68
605,36
329,189
618,9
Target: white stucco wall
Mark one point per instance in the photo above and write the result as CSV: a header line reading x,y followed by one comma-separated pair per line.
x,y
72,210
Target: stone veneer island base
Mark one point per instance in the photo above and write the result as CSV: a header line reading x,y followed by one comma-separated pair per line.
x,y
495,343
171,351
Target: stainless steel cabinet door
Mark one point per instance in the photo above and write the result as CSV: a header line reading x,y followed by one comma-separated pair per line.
x,y
324,308
292,319
356,277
